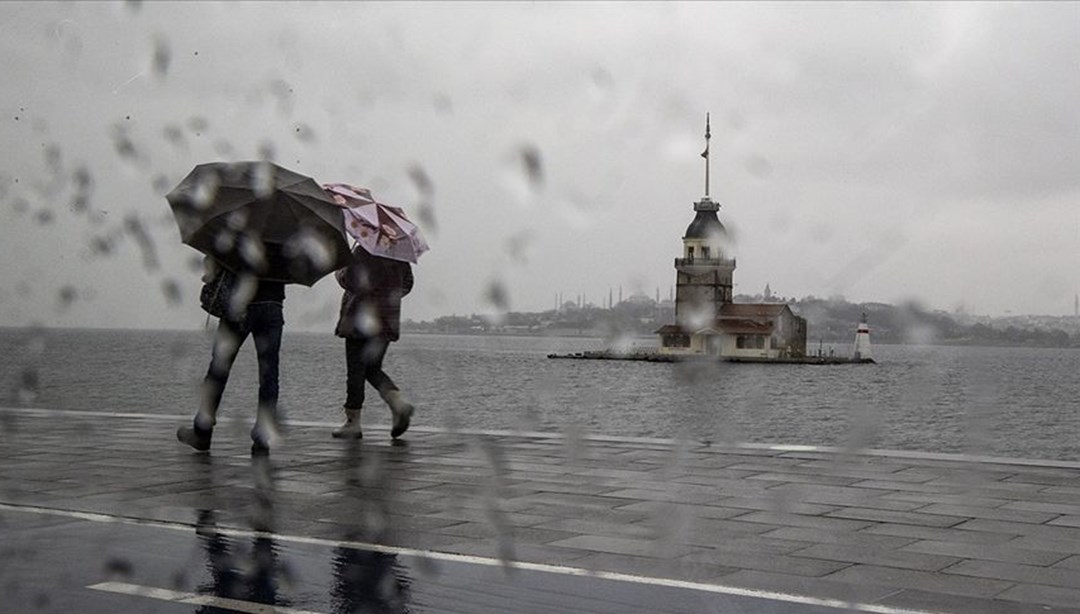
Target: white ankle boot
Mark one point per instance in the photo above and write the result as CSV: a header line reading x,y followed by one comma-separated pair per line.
x,y
351,428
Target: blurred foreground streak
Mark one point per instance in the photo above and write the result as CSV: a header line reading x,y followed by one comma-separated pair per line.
x,y
104,512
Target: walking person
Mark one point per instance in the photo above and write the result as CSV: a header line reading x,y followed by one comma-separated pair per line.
x,y
261,226
370,320
248,307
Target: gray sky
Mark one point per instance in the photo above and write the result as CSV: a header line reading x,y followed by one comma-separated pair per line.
x,y
881,151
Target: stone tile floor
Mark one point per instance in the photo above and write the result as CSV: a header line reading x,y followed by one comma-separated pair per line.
x,y
887,530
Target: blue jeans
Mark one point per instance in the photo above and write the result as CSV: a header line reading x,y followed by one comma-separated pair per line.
x,y
264,322
363,362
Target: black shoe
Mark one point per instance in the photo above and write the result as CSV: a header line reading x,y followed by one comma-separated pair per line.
x,y
198,438
402,415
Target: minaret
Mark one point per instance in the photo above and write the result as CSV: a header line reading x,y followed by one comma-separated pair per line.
x,y
703,274
862,341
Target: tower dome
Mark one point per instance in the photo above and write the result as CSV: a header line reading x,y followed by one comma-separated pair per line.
x,y
706,225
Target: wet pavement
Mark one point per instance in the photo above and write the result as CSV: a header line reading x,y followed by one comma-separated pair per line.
x,y
108,513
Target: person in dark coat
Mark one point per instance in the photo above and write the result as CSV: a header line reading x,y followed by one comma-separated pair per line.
x,y
255,309
370,320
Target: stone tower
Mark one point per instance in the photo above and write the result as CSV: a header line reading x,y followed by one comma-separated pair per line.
x,y
703,279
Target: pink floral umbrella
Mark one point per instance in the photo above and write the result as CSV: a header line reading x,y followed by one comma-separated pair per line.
x,y
381,229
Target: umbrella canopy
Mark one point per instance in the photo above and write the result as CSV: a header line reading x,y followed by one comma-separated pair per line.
x,y
262,219
379,228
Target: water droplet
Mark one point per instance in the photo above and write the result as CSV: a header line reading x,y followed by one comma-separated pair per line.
x,y
28,386
119,567
758,166
262,180
123,144
161,184
252,252
66,297
497,295
304,133
442,104
224,149
162,58
266,151
44,217
134,227
531,162
518,244
174,135
52,157
197,124
602,84
205,190
173,295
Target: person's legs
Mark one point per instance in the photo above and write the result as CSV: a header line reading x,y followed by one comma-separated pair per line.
x,y
267,322
400,409
355,374
227,341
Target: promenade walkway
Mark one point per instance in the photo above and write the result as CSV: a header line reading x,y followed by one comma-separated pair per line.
x,y
109,512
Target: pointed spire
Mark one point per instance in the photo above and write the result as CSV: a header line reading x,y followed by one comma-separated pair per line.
x,y
705,154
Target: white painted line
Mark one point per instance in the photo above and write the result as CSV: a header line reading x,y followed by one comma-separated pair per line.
x,y
163,594
551,435
486,561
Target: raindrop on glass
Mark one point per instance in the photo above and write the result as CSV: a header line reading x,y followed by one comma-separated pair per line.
x,y
162,58
171,290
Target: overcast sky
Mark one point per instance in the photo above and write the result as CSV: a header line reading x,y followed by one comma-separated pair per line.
x,y
883,152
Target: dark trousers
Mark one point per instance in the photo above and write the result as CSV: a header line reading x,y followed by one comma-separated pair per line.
x,y
363,362
264,322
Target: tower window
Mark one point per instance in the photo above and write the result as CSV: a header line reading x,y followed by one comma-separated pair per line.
x,y
690,252
705,253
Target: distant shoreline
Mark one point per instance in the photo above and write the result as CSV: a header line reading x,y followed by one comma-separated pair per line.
x,y
523,334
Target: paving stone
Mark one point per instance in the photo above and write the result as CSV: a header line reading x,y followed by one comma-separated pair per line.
x,y
652,567
1004,553
623,545
881,557
917,518
804,585
773,504
1047,542
923,601
861,539
804,478
1070,509
1066,521
798,520
957,499
594,527
1049,595
972,511
921,580
1021,528
1028,574
791,565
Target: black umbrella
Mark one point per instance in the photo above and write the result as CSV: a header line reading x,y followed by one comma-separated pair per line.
x,y
261,219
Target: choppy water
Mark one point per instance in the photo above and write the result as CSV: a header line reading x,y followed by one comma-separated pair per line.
x,y
1019,402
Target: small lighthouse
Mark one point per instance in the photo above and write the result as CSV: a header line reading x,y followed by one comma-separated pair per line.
x,y
862,342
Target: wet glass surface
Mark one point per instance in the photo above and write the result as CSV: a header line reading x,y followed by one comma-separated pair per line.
x,y
922,155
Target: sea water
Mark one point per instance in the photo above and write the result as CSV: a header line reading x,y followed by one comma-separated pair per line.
x,y
1017,402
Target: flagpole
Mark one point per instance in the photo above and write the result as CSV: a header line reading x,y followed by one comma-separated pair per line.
x,y
705,154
